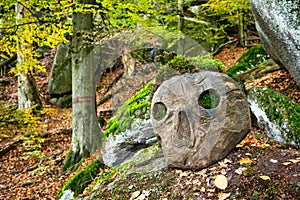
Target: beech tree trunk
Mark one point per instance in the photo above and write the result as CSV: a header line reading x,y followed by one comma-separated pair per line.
x,y
28,95
86,135
181,15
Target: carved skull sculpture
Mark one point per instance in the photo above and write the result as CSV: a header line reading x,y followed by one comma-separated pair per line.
x,y
199,118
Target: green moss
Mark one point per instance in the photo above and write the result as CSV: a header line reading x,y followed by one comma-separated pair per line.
x,y
104,177
281,110
248,60
208,99
82,178
192,64
73,159
137,106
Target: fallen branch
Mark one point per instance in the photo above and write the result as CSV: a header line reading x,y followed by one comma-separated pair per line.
x,y
222,45
8,146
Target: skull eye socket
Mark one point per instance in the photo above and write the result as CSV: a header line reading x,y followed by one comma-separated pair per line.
x,y
209,99
159,111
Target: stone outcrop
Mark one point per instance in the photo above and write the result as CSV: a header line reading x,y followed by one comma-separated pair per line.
x,y
60,81
278,24
123,146
276,114
199,118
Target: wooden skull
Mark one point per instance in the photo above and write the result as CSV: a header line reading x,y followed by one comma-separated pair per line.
x,y
199,118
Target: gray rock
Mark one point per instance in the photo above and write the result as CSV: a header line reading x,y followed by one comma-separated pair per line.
x,y
60,81
67,195
276,114
278,24
199,118
123,146
150,159
64,101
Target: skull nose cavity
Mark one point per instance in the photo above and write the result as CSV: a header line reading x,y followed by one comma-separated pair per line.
x,y
183,130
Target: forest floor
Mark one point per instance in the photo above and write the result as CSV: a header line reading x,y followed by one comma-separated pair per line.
x,y
258,168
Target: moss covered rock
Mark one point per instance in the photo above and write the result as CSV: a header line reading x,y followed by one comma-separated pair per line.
x,y
194,64
82,178
148,166
248,60
137,106
276,114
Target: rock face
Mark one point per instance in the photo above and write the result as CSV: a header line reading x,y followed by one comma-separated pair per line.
x,y
199,118
60,81
123,146
276,114
278,24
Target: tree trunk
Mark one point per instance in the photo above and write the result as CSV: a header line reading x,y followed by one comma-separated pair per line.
x,y
86,135
241,29
181,15
28,95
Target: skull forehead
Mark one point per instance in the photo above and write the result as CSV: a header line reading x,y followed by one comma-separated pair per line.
x,y
186,88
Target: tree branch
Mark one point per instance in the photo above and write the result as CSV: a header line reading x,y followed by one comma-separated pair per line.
x,y
8,61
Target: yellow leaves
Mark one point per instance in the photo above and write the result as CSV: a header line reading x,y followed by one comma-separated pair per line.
x,y
221,182
254,140
223,196
291,161
245,161
295,160
266,178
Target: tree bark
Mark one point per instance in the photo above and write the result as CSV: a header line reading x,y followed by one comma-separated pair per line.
x,y
86,135
181,15
28,95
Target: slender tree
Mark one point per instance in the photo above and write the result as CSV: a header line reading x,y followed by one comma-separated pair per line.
x,y
28,95
25,26
86,135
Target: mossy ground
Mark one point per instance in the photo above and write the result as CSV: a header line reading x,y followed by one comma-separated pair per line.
x,y
82,178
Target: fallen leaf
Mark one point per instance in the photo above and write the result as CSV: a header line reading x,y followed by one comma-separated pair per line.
x,y
130,187
141,197
286,163
294,160
240,170
146,192
135,194
178,171
223,196
265,178
221,182
183,174
245,161
273,161
227,161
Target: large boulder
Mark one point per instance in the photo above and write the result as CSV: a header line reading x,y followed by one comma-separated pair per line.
x,y
60,81
199,118
276,114
130,130
277,22
123,146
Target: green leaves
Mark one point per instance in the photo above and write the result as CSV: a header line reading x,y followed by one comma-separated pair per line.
x,y
39,24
